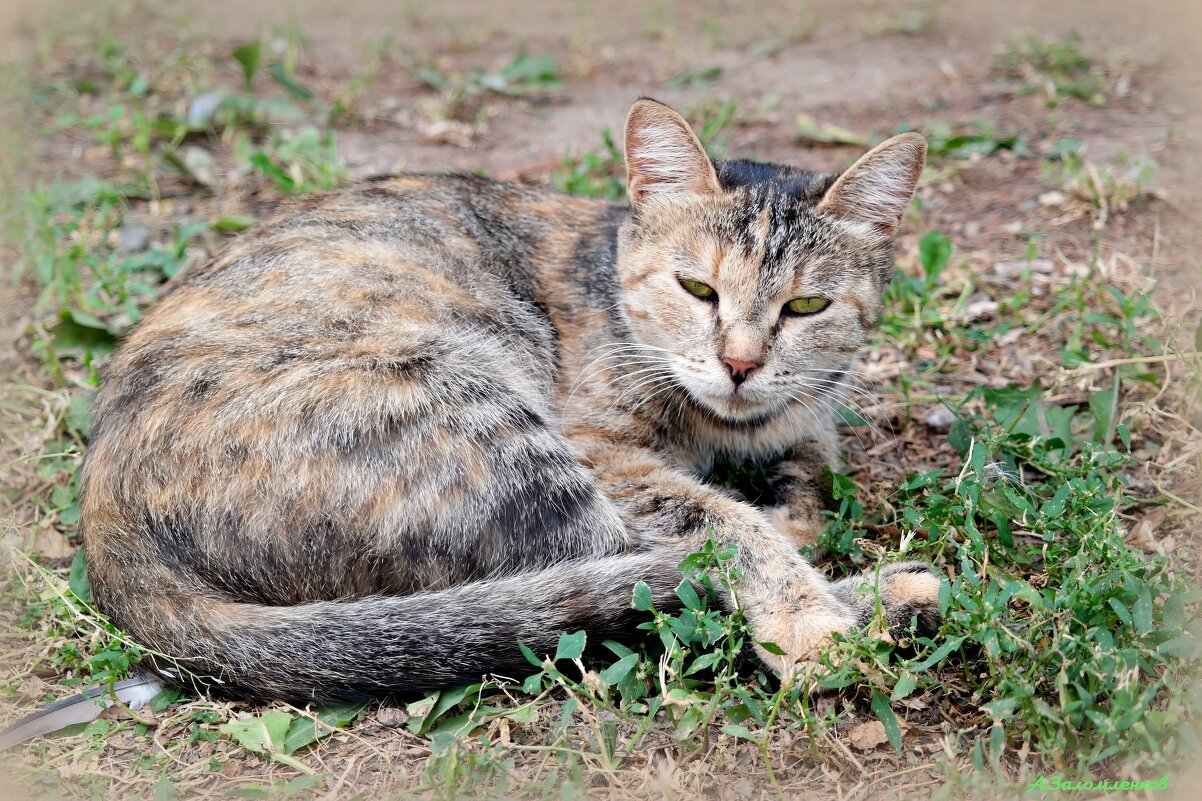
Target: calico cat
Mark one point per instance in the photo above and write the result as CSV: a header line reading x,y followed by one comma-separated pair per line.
x,y
390,433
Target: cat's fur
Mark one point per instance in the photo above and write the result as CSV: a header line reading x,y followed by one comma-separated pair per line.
x,y
396,429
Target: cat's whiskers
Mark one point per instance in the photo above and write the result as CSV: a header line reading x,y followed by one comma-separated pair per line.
x,y
628,353
619,371
860,410
828,397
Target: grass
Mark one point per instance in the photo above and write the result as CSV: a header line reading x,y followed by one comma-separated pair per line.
x,y
1069,647
1057,68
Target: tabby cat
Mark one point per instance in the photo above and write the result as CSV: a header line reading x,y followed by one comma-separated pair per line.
x,y
390,433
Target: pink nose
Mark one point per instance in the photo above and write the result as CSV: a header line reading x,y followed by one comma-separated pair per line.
x,y
739,369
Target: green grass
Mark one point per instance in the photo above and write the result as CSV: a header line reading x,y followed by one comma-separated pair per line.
x,y
1057,68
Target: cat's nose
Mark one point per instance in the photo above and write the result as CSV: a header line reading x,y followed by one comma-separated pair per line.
x,y
739,369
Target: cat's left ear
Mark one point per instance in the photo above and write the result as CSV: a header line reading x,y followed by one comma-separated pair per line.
x,y
877,188
663,155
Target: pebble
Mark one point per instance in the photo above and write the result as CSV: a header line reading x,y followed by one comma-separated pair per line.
x,y
940,419
1053,198
132,238
1013,269
390,717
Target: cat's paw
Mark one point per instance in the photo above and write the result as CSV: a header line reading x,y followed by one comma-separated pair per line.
x,y
802,635
799,525
909,598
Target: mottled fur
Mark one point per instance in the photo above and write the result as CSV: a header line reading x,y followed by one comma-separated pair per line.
x,y
399,427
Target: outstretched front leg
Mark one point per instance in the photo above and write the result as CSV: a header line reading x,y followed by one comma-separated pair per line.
x,y
801,490
785,599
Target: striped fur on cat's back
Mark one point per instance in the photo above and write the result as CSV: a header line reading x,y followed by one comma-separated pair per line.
x,y
386,435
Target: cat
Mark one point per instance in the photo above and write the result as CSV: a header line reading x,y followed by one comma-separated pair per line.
x,y
386,435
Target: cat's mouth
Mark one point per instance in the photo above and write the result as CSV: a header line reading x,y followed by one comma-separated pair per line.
x,y
740,404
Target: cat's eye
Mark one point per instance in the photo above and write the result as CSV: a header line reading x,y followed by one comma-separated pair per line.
x,y
703,291
810,305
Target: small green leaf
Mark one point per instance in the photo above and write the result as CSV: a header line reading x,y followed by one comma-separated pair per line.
x,y
418,711
571,646
688,596
643,601
1124,435
281,76
451,698
233,223
265,734
905,685
772,648
306,730
78,579
165,698
523,714
248,56
739,731
165,790
531,657
1000,708
812,130
1141,612
880,705
934,251
619,670
1182,648
939,654
850,418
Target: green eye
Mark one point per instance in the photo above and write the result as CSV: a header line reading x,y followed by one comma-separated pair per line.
x,y
699,289
810,305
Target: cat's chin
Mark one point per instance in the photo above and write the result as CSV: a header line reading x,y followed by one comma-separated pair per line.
x,y
737,408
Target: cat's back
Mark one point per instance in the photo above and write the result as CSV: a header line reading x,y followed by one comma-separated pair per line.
x,y
289,395
345,281
391,306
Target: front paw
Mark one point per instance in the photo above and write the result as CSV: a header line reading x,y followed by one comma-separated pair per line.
x,y
800,525
908,593
802,635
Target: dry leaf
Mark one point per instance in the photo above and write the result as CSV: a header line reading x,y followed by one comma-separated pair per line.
x,y
867,736
1143,533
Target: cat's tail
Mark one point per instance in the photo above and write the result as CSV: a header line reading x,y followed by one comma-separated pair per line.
x,y
384,645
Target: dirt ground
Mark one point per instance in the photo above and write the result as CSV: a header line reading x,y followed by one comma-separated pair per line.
x,y
863,65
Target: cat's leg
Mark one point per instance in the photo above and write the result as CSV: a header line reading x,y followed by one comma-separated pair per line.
x,y
906,592
786,600
801,490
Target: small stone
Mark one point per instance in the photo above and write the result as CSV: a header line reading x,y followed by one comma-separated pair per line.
x,y
203,107
1053,198
1013,269
940,419
972,228
981,310
133,238
390,717
1014,227
198,161
867,736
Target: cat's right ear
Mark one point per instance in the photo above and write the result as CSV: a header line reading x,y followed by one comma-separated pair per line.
x,y
663,155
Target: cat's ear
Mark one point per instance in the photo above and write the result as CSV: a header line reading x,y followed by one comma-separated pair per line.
x,y
663,155
878,187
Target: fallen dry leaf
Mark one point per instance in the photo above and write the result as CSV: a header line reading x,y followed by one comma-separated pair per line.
x,y
1143,533
867,736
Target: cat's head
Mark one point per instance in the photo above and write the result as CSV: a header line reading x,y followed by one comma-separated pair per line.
x,y
753,284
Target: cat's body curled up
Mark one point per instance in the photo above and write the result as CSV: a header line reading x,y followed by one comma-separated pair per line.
x,y
400,427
